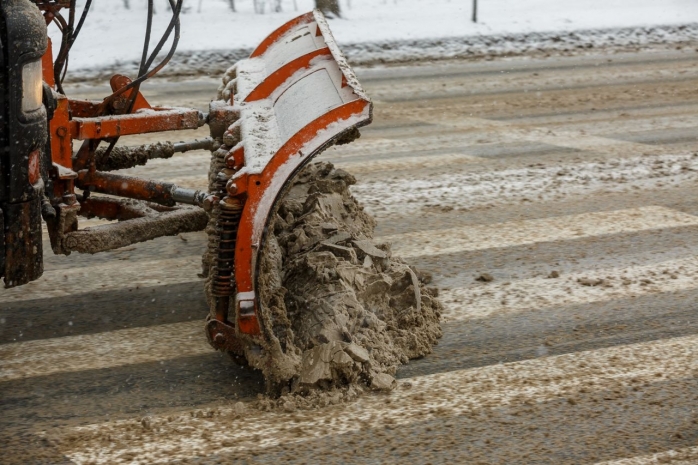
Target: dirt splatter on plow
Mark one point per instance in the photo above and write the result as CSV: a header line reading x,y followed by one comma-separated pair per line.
x,y
296,286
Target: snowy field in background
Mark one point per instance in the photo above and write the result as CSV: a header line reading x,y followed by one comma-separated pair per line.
x,y
114,34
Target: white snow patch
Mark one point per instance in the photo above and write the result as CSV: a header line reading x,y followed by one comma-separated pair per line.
x,y
214,38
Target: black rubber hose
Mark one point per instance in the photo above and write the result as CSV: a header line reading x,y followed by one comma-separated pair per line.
x,y
174,24
143,75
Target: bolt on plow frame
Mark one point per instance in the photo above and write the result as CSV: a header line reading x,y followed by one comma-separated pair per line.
x,y
292,98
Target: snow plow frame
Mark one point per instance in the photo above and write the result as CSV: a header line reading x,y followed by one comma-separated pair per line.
x,y
298,89
42,179
295,96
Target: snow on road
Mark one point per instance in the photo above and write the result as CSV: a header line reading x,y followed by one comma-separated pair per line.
x,y
114,34
595,363
463,393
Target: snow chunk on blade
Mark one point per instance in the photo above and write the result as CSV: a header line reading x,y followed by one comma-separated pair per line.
x,y
295,96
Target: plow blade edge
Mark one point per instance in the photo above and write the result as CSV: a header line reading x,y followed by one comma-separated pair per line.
x,y
295,96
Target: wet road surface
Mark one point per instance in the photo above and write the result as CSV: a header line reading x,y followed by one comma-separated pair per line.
x,y
585,166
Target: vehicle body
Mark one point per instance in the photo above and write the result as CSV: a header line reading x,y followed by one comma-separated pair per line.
x,y
297,76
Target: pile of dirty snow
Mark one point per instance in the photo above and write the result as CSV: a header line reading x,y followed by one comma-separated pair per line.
x,y
339,310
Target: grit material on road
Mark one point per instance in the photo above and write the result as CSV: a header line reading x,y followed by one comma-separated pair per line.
x,y
569,317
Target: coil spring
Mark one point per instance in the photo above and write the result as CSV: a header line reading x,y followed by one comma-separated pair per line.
x,y
216,187
227,228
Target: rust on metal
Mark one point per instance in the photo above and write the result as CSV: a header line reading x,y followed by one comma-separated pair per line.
x,y
222,337
65,221
127,186
85,108
222,283
34,166
85,158
119,209
220,117
120,104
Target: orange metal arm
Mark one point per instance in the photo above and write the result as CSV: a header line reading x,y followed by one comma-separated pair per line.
x,y
155,120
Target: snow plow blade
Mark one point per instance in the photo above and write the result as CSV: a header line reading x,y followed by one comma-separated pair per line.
x,y
294,97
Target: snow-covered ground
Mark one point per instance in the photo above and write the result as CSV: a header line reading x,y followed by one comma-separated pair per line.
x,y
114,34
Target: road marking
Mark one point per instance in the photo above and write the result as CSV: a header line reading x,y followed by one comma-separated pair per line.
x,y
102,350
104,276
503,132
402,145
600,285
84,279
406,163
463,189
686,456
458,393
198,163
577,139
616,121
517,233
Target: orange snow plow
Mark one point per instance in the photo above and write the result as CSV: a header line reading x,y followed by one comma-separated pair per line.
x,y
291,99
295,96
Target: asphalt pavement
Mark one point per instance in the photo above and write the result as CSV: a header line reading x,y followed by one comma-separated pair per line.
x,y
571,180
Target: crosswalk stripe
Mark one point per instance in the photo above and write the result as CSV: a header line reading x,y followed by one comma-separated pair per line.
x,y
122,347
598,285
457,393
475,302
71,281
405,163
577,139
105,276
517,233
686,456
402,146
464,189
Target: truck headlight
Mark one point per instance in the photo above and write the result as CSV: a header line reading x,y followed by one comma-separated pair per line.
x,y
32,94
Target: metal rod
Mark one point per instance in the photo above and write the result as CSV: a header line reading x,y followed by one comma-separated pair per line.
x,y
115,235
189,196
198,144
164,193
127,186
127,157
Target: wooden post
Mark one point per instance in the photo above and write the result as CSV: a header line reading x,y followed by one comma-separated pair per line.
x,y
474,11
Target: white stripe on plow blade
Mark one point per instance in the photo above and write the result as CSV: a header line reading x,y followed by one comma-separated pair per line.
x,y
102,350
516,233
234,430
